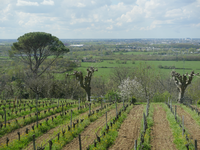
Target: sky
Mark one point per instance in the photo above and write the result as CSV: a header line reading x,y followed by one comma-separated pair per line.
x,y
112,19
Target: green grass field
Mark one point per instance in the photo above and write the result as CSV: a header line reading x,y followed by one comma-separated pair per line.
x,y
135,53
105,72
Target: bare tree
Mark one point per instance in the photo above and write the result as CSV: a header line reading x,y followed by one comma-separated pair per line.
x,y
118,74
147,78
182,83
98,86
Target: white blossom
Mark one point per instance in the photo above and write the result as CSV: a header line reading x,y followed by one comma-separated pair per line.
x,y
129,87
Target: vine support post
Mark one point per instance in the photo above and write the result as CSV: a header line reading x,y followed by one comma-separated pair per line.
x,y
37,108
195,144
71,120
79,137
175,111
135,146
34,142
90,108
183,124
116,105
144,125
5,115
106,121
79,103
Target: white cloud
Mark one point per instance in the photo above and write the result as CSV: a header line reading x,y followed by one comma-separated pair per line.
x,y
48,2
81,5
110,27
134,15
91,17
26,3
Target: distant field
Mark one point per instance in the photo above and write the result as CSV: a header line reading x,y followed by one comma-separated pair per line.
x,y
105,72
135,53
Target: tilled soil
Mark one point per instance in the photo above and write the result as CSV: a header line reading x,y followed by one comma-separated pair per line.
x,y
89,134
47,136
161,134
190,124
13,135
129,130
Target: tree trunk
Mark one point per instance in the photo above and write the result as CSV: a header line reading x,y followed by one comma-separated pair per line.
x,y
181,95
88,94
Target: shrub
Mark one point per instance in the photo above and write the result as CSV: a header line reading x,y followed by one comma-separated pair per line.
x,y
198,102
111,95
133,100
161,97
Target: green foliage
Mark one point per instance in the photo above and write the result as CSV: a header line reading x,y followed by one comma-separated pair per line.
x,y
35,40
35,47
198,102
111,95
99,99
161,97
133,100
118,61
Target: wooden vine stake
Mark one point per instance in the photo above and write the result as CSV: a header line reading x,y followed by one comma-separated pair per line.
x,y
71,120
79,137
106,121
34,142
195,144
5,115
135,146
116,105
90,108
79,103
144,125
175,112
183,124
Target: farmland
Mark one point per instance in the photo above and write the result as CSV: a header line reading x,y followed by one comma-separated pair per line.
x,y
133,99
109,125
105,67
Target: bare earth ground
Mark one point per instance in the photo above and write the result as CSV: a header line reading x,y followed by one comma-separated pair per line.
x,y
190,124
130,129
161,135
13,135
47,136
89,134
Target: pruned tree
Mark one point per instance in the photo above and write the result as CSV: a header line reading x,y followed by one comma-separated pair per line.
x,y
85,81
182,82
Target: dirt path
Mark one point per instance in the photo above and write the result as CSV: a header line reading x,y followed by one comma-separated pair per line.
x,y
13,135
190,124
162,137
130,130
89,134
47,136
